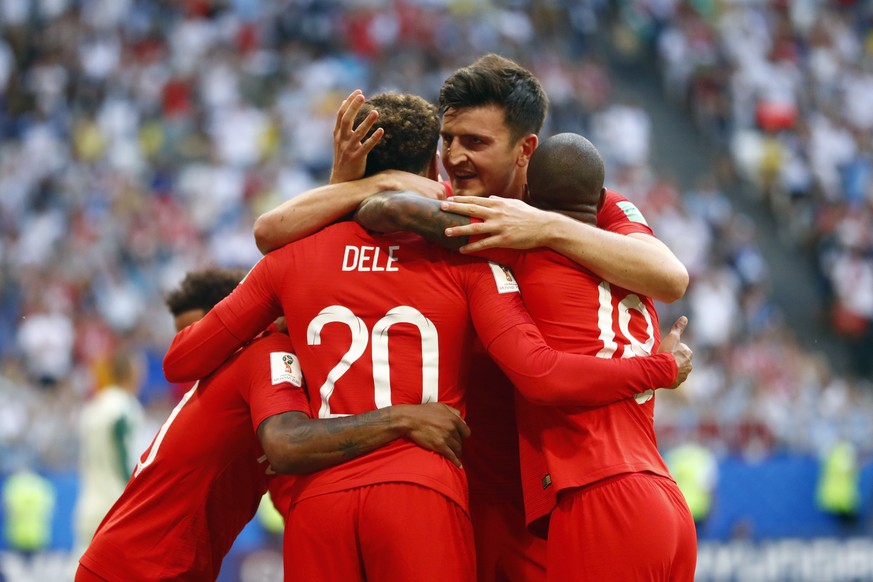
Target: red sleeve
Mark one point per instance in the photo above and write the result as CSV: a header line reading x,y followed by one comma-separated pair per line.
x,y
495,301
548,377
199,349
496,254
255,304
621,216
276,379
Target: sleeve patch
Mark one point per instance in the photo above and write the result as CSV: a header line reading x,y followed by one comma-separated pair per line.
x,y
504,278
632,212
285,367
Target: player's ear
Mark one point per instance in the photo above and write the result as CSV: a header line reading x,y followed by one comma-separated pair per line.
x,y
527,145
440,168
601,199
433,168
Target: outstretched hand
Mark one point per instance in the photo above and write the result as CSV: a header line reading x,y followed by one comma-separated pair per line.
x,y
508,223
351,146
439,428
681,352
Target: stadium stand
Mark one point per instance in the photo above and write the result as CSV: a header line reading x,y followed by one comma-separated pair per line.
x,y
140,139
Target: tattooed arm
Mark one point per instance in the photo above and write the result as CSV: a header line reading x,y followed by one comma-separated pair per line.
x,y
295,443
405,210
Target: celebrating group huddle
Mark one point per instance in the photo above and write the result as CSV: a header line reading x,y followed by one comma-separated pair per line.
x,y
419,413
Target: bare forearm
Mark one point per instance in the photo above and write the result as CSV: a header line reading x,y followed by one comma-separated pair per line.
x,y
408,211
637,262
297,444
310,211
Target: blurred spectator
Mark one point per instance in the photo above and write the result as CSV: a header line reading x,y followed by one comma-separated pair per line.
x,y
695,469
46,340
29,503
837,492
623,133
110,443
798,79
714,308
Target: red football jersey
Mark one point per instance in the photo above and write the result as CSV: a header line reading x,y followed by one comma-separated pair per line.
x,y
491,450
586,315
381,320
491,454
203,476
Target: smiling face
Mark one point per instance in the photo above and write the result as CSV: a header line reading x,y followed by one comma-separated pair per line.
x,y
479,154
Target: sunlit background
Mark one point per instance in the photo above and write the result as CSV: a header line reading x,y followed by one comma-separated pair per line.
x,y
141,138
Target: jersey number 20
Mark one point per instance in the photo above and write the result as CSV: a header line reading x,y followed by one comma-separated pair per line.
x,y
361,336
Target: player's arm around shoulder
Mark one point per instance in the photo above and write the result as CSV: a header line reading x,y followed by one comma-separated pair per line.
x,y
405,210
309,212
295,443
312,210
637,261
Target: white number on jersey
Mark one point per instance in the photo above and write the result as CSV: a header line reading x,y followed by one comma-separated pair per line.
x,y
632,346
379,337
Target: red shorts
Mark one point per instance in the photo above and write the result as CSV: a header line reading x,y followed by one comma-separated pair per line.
x,y
631,527
386,532
505,550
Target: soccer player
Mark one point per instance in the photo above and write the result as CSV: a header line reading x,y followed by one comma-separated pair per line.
x,y
492,111
603,463
385,319
203,476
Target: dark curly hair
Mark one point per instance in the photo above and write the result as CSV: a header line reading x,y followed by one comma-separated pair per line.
x,y
412,130
203,289
496,80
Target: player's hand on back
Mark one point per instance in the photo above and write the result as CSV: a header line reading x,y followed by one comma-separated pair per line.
x,y
682,353
508,223
351,146
436,427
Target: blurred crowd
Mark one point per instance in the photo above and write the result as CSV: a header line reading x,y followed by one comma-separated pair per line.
x,y
140,139
782,88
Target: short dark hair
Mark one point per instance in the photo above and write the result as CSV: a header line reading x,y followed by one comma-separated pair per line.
x,y
496,80
412,131
565,162
203,289
565,174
